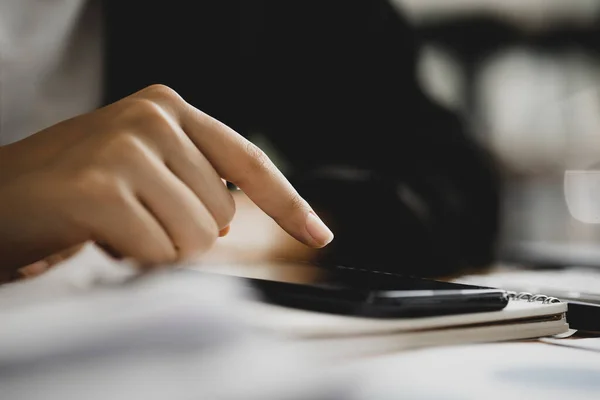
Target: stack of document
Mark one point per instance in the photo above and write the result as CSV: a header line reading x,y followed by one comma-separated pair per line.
x,y
344,336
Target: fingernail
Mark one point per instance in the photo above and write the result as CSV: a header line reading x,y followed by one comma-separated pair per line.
x,y
318,230
223,232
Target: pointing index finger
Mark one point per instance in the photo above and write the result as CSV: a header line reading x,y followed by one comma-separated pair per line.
x,y
241,162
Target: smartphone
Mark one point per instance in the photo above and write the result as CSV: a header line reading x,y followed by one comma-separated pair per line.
x,y
364,293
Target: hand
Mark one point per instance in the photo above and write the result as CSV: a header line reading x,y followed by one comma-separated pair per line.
x,y
141,176
39,267
256,239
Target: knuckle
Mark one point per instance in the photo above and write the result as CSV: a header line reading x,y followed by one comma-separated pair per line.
x,y
160,91
290,208
258,160
201,242
152,121
230,210
144,109
211,234
224,213
297,203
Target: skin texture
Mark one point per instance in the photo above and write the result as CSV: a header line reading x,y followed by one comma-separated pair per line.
x,y
142,177
255,242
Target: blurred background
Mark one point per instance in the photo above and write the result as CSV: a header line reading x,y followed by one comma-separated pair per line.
x,y
525,76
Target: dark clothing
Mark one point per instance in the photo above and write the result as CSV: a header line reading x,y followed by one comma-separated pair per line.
x,y
332,85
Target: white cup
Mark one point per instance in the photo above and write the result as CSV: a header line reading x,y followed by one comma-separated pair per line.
x,y
582,193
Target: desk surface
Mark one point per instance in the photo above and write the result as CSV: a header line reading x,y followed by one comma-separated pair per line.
x,y
500,370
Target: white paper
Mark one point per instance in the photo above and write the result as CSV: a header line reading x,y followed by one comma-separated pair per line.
x,y
494,371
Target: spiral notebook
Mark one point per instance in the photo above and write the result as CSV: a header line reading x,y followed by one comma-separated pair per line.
x,y
352,336
525,317
578,287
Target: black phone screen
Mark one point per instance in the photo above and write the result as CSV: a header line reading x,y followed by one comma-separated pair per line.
x,y
374,294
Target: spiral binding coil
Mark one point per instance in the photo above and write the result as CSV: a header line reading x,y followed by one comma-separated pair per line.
x,y
532,297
